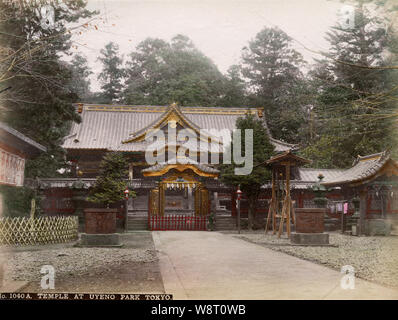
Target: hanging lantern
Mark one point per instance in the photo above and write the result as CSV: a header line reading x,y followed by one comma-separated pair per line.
x,y
126,193
239,194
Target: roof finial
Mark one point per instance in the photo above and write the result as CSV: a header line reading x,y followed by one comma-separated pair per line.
x,y
79,107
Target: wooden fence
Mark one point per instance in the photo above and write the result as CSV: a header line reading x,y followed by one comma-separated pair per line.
x,y
44,230
177,222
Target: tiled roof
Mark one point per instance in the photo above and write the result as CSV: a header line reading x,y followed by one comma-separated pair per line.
x,y
19,141
309,176
287,156
106,126
363,168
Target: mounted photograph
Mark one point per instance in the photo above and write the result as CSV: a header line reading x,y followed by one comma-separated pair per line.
x,y
230,150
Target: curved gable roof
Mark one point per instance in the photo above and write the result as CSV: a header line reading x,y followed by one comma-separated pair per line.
x,y
107,126
364,169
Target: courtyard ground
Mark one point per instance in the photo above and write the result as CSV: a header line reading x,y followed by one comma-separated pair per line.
x,y
374,258
214,265
131,269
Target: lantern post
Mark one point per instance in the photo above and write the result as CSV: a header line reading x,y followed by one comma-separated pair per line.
x,y
238,198
126,199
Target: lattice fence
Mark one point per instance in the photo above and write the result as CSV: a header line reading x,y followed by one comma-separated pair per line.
x,y
44,230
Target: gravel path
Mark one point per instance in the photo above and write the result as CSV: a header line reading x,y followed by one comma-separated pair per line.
x,y
374,258
132,268
26,265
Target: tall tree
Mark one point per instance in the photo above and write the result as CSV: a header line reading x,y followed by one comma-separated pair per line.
x,y
39,102
160,73
353,85
234,93
262,150
80,82
112,73
272,68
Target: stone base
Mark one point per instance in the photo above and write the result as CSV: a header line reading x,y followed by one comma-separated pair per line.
x,y
100,220
100,240
309,239
377,227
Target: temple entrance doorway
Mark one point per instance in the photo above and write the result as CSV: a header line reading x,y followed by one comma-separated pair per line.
x,y
179,200
179,194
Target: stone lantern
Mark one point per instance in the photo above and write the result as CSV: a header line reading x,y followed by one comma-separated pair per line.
x,y
310,221
320,191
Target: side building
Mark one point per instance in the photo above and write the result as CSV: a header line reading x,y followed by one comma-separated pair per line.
x,y
15,148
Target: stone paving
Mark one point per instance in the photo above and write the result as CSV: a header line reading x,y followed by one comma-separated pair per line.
x,y
213,265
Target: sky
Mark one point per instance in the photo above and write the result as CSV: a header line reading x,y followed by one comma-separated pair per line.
x,y
218,28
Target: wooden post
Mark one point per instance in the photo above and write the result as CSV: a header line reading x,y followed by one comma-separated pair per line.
x,y
283,214
238,213
126,214
271,209
342,221
32,208
161,199
383,198
363,194
287,206
288,199
276,203
268,216
293,212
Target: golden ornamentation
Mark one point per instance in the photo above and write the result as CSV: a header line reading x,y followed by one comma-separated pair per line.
x,y
154,201
173,115
180,167
161,109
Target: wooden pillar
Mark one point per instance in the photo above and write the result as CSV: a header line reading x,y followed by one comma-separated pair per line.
x,y
272,205
384,199
233,203
126,214
363,194
131,171
204,202
289,203
161,198
197,200
215,199
190,198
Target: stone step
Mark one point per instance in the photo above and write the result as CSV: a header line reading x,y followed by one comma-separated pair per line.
x,y
137,228
137,219
225,223
138,213
137,223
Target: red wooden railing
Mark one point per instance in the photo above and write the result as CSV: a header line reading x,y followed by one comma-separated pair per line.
x,y
177,222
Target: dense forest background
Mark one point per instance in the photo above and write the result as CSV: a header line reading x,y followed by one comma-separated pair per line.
x,y
339,107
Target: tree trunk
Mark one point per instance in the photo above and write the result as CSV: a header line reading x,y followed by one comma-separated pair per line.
x,y
251,212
